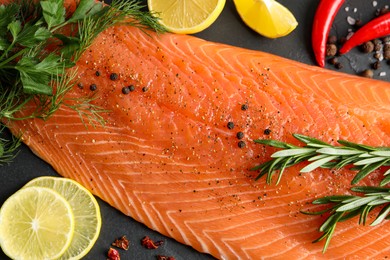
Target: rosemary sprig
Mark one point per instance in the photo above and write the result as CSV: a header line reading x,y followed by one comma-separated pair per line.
x,y
365,159
345,207
40,42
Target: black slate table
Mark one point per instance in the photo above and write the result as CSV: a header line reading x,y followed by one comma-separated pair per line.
x,y
227,29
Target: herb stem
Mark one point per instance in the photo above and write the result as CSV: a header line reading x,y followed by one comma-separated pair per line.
x,y
8,60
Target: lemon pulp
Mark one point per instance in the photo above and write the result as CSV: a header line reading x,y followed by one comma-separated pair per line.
x,y
267,17
86,212
35,223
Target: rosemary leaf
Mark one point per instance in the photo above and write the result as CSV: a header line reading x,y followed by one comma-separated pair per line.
x,y
382,215
365,159
338,151
318,163
368,168
292,152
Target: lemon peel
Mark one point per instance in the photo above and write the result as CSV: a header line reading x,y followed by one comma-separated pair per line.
x,y
267,17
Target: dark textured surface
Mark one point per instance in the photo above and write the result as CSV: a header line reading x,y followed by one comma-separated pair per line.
x,y
227,29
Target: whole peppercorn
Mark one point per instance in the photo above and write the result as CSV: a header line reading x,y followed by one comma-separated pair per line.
x,y
131,88
332,39
93,87
241,144
125,90
240,135
267,131
97,73
333,60
358,23
377,55
367,47
386,46
386,54
114,76
331,49
230,125
386,39
368,73
244,107
376,65
338,65
382,11
377,45
80,85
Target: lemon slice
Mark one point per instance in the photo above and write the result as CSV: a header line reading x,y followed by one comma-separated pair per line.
x,y
35,223
267,17
186,16
85,209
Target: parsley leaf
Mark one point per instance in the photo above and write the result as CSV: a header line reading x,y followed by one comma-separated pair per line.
x,y
85,9
53,12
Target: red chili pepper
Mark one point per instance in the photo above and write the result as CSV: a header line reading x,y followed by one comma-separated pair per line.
x,y
376,28
323,19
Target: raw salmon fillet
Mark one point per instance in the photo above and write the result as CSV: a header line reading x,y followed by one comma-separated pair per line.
x,y
167,158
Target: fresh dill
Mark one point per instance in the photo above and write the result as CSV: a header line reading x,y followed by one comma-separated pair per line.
x,y
40,42
345,207
365,159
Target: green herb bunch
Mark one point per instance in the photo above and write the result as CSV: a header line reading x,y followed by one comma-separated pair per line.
x,y
40,42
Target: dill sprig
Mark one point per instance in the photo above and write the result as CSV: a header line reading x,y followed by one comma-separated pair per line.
x,y
40,42
345,207
365,159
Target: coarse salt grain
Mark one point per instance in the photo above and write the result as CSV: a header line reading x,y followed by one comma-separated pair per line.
x,y
382,74
346,9
374,3
351,20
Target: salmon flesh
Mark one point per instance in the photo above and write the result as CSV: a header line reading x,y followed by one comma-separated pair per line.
x,y
169,157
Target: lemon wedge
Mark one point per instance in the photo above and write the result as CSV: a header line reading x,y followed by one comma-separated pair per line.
x,y
186,16
86,212
35,223
267,17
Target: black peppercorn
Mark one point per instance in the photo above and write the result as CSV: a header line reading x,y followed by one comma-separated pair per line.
x,y
241,144
125,90
376,65
93,87
131,88
367,47
230,125
114,76
240,135
97,73
244,107
267,131
333,60
144,89
338,65
80,85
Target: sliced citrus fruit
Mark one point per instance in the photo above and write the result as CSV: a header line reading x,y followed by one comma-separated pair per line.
x,y
186,16
85,209
35,223
267,17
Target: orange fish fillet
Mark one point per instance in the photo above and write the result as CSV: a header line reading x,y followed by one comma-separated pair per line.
x,y
167,158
